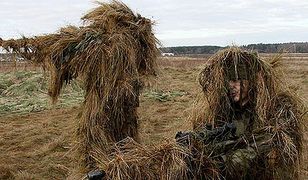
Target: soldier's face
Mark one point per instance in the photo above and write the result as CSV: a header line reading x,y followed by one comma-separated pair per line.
x,y
235,91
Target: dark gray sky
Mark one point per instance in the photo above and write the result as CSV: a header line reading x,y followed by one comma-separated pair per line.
x,y
178,22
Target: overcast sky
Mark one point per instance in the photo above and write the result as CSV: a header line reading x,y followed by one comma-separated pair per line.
x,y
178,22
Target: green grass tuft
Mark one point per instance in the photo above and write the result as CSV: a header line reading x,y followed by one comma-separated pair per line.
x,y
23,92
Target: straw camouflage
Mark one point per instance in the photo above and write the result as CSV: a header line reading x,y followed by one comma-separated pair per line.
x,y
113,54
270,141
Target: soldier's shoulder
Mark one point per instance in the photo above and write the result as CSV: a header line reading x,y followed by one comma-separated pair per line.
x,y
285,100
286,104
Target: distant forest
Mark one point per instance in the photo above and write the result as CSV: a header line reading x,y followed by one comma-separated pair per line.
x,y
261,48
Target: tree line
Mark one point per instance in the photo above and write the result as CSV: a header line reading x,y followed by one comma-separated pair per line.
x,y
261,48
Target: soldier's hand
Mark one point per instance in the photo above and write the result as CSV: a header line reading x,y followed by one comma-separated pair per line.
x,y
96,175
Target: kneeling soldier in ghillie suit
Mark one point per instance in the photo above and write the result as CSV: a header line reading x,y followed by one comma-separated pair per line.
x,y
251,125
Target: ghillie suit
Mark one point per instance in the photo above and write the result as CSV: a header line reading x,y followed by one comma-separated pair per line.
x,y
112,54
166,161
269,133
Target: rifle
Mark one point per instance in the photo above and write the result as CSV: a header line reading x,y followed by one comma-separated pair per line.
x,y
219,134
208,135
216,141
222,139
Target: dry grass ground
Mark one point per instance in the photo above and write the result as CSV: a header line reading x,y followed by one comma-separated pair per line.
x,y
39,145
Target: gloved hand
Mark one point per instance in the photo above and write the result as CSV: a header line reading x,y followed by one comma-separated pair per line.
x,y
96,175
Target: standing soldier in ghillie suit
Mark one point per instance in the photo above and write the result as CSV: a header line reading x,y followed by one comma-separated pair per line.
x,y
250,124
113,54
117,51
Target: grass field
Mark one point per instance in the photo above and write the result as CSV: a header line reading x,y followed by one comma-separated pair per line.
x,y
36,137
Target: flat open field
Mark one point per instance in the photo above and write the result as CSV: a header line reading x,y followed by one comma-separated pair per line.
x,y
36,137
